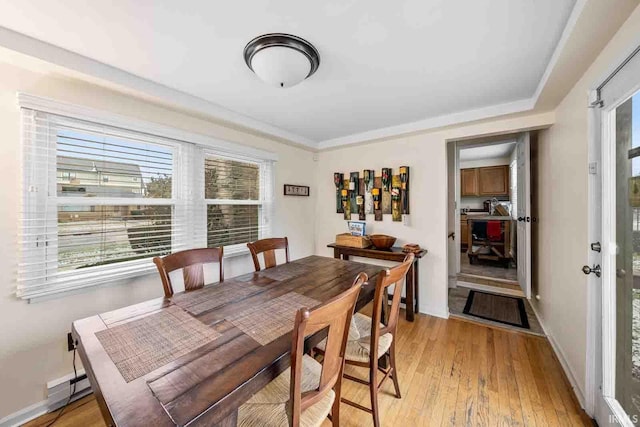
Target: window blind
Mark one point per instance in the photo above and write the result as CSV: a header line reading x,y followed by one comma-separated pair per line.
x,y
237,194
99,201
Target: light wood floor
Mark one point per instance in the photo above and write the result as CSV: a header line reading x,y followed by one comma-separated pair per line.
x,y
452,373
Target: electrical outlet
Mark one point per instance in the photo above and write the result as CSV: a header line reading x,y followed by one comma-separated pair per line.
x,y
71,345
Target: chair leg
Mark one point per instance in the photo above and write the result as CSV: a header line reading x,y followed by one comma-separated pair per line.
x,y
335,409
392,363
373,389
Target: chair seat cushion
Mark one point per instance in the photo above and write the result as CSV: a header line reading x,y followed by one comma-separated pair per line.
x,y
268,407
358,350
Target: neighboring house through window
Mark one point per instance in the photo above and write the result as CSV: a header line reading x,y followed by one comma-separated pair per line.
x,y
111,198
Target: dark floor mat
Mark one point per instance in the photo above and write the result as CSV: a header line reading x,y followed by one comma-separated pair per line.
x,y
498,308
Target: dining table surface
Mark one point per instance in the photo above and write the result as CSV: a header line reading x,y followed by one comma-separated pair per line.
x,y
207,369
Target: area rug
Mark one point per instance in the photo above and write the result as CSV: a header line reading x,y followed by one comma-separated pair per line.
x,y
497,308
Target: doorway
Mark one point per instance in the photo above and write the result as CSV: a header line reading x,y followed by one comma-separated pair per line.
x,y
490,230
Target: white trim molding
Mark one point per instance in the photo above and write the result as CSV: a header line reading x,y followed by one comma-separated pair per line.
x,y
431,123
566,367
73,61
64,58
67,109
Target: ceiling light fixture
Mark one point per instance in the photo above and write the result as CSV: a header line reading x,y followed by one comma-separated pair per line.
x,y
282,60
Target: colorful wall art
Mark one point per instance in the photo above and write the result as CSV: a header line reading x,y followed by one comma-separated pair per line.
x,y
366,194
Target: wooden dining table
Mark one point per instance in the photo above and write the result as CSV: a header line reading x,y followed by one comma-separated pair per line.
x,y
211,379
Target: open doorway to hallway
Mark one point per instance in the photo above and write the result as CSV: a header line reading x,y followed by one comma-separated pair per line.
x,y
490,230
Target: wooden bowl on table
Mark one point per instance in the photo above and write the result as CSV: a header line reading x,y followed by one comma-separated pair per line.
x,y
382,241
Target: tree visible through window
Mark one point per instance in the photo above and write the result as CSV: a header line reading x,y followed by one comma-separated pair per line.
x,y
232,191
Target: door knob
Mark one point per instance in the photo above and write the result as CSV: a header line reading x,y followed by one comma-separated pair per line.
x,y
595,270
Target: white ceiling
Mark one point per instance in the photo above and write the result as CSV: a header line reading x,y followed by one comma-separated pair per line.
x,y
495,151
383,63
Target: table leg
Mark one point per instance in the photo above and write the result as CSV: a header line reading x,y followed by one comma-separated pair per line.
x,y
336,253
409,301
415,285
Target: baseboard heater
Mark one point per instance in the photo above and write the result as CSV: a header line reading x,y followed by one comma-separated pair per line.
x,y
58,390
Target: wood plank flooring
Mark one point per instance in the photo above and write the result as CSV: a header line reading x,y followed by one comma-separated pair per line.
x,y
452,372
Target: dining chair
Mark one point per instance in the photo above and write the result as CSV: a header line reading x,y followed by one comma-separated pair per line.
x,y
374,340
268,247
308,392
192,262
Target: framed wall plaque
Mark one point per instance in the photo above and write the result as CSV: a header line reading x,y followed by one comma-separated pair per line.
x,y
296,190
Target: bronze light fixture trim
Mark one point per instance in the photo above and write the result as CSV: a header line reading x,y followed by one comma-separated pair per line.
x,y
289,41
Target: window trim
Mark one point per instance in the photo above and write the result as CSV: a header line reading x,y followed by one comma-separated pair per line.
x,y
78,112
214,146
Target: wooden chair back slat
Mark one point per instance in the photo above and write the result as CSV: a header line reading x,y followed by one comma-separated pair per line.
x,y
193,276
269,258
334,316
268,248
191,262
392,276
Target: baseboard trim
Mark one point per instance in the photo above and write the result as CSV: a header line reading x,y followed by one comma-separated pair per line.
x,y
52,403
577,390
25,415
566,367
437,312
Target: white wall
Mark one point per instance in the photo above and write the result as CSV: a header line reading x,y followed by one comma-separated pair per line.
x,y
480,163
563,210
425,153
33,336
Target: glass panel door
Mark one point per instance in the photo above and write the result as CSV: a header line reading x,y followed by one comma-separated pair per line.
x,y
627,259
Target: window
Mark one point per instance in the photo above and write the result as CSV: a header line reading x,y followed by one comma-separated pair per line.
x,y
232,193
99,201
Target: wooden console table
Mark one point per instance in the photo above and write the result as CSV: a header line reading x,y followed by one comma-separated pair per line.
x,y
393,254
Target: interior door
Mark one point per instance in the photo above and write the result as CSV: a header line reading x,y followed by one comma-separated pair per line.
x,y
523,207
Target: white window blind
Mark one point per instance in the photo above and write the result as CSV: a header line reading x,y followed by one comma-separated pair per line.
x,y
100,201
237,192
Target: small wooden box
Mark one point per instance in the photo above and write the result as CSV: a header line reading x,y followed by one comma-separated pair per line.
x,y
347,239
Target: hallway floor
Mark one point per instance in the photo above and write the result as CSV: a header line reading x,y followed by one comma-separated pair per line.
x,y
487,269
458,299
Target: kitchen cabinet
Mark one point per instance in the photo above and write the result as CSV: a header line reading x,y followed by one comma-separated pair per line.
x,y
487,181
493,181
469,182
464,233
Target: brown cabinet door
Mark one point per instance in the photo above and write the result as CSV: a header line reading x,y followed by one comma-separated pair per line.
x,y
469,182
493,181
464,231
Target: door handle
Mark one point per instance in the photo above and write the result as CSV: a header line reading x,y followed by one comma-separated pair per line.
x,y
595,270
